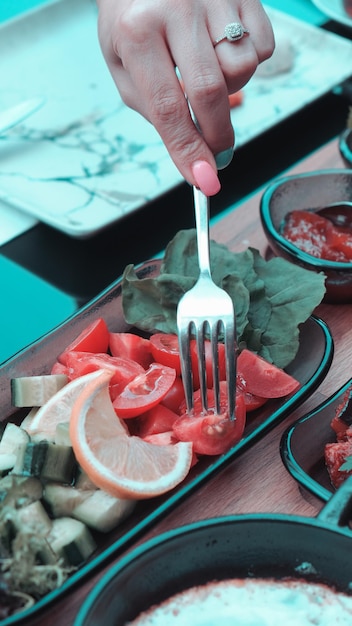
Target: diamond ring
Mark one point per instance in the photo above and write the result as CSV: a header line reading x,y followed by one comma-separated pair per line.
x,y
233,32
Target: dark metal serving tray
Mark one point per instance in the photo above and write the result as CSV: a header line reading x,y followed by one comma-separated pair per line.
x,y
310,367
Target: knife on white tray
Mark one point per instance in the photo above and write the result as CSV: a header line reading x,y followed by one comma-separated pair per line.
x,y
17,113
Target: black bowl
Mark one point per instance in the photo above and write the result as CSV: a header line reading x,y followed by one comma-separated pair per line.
x,y
255,545
308,191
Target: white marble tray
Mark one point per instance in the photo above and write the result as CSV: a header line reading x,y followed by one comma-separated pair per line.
x,y
335,10
85,160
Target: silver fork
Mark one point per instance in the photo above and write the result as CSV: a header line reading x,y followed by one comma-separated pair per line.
x,y
204,311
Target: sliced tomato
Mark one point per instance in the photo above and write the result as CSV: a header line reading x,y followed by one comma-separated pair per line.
x,y
308,231
335,455
251,401
175,396
59,368
208,363
131,346
124,370
264,379
340,243
144,391
161,439
340,427
318,236
165,350
158,419
212,434
94,338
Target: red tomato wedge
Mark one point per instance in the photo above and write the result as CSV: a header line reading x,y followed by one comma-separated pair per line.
x,y
59,368
94,338
165,350
144,391
161,439
212,434
124,370
208,363
341,244
175,396
159,419
264,379
251,401
335,455
130,346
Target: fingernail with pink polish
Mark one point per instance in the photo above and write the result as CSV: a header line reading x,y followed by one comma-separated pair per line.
x,y
206,179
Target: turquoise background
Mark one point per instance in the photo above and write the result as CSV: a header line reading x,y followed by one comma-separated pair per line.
x,y
12,8
303,9
30,306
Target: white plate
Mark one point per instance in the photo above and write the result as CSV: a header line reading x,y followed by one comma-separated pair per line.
x,y
85,160
335,10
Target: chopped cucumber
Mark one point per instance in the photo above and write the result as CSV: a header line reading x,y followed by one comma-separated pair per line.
x,y
71,540
13,437
102,511
7,462
62,499
34,391
47,461
97,509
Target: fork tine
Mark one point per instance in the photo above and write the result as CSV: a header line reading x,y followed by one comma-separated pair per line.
x,y
214,339
230,358
184,337
200,333
231,366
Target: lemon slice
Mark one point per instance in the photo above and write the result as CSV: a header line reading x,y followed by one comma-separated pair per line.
x,y
121,464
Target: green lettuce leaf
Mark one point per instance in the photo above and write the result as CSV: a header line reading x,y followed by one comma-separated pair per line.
x,y
271,298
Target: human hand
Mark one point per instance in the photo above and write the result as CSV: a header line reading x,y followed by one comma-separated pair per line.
x,y
144,40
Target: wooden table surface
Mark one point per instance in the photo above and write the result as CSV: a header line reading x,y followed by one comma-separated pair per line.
x,y
257,481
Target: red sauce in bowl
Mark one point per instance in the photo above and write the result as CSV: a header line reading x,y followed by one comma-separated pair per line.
x,y
318,236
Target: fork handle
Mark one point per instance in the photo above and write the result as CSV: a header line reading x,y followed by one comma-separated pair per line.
x,y
201,209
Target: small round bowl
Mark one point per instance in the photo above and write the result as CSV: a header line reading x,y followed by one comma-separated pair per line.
x,y
345,146
308,191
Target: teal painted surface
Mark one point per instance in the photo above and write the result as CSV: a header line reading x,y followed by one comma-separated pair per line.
x,y
303,9
30,308
13,8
